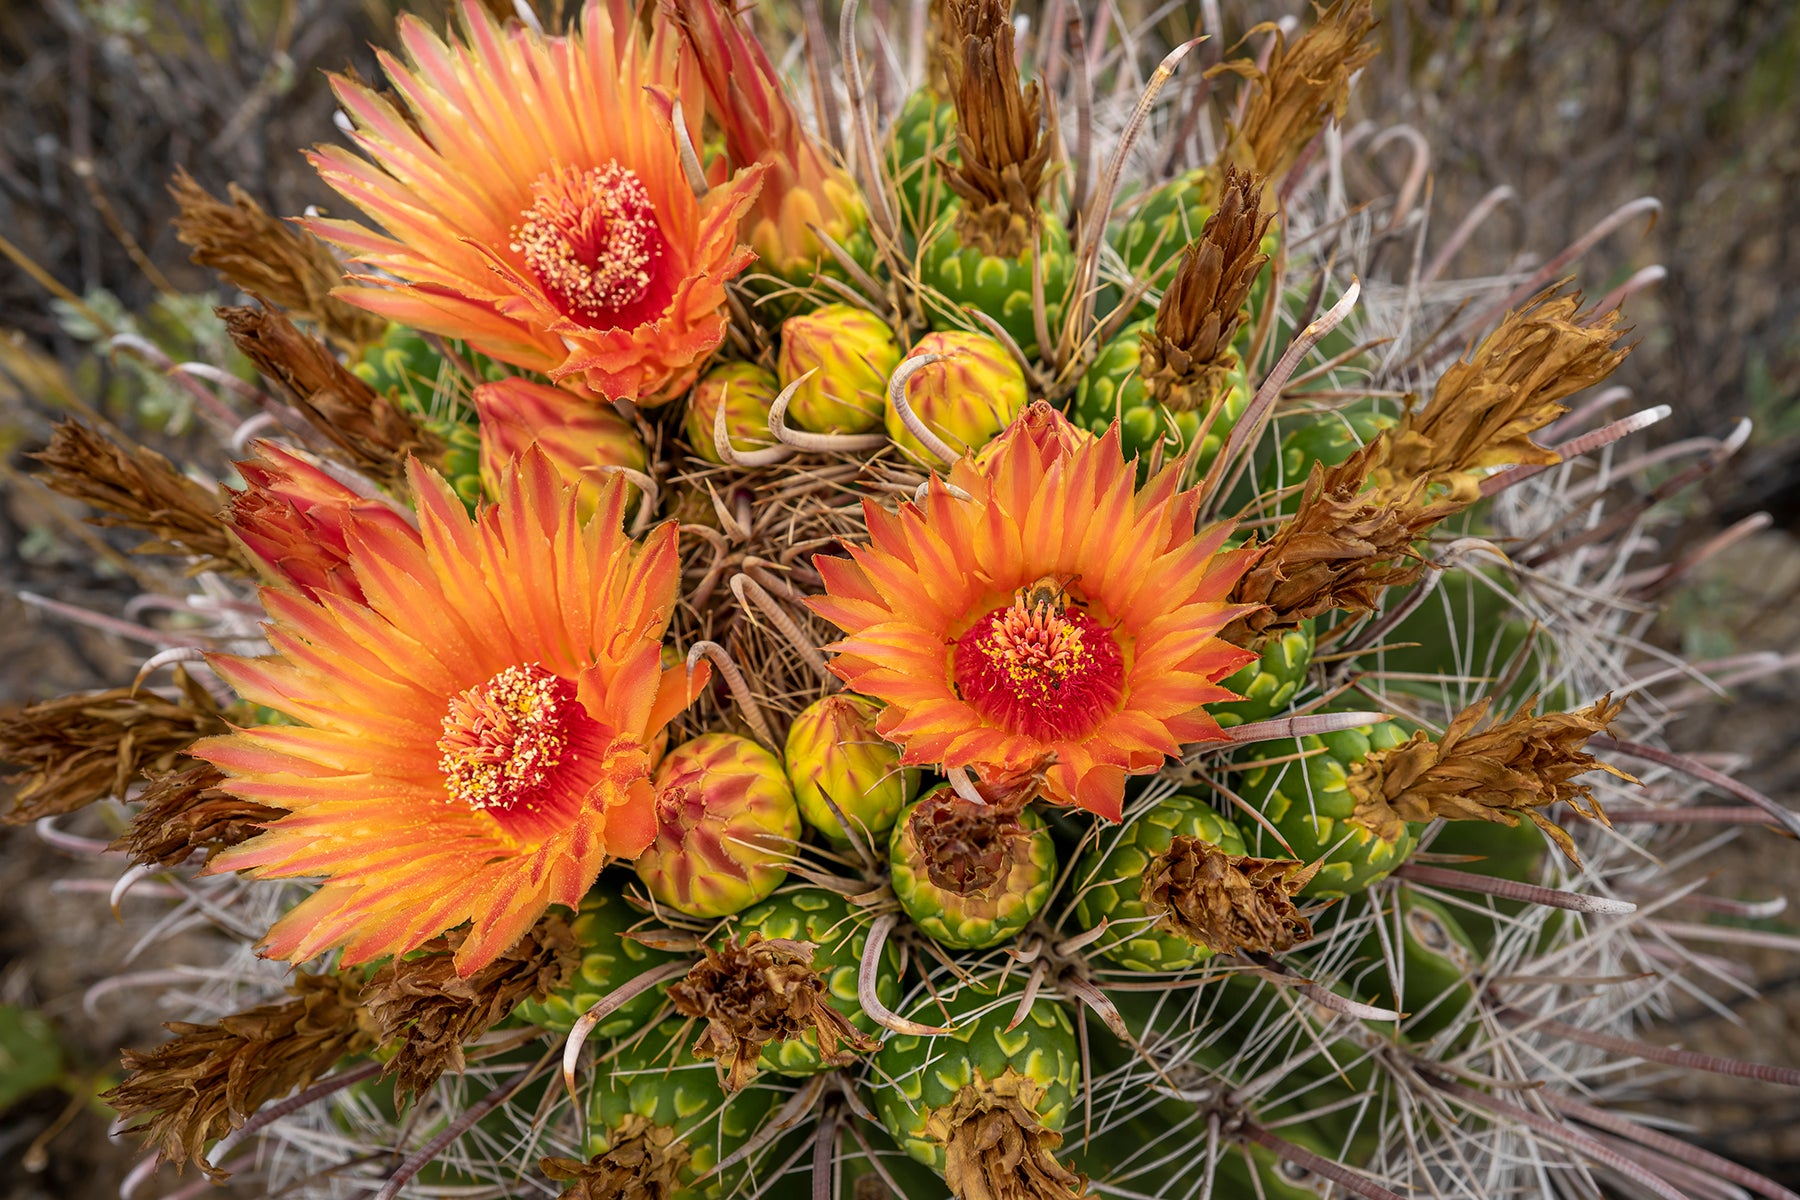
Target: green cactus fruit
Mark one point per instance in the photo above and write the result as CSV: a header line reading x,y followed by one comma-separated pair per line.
x,y
1159,226
658,1117
406,369
746,391
608,959
966,399
1307,800
833,750
1269,684
969,875
924,131
1110,879
726,827
839,932
999,287
924,1082
853,352
1438,960
1113,390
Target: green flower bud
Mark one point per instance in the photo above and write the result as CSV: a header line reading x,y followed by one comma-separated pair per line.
x,y
967,399
833,750
854,352
747,391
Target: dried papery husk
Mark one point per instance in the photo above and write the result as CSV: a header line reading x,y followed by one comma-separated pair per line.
x,y
1227,902
1002,151
643,1159
996,1149
188,810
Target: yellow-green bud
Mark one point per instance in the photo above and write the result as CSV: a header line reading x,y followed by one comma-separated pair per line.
x,y
854,352
833,750
746,391
966,399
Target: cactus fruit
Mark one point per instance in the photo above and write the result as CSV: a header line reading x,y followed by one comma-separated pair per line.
x,y
966,399
853,352
609,958
970,875
746,392
1113,390
1269,684
834,754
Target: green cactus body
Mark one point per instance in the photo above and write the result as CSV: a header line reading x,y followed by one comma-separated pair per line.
x,y
1110,878
924,131
1476,600
832,750
1113,390
917,1075
985,917
1250,1169
608,959
1438,960
1269,684
404,367
1309,802
1501,852
1151,237
999,287
839,932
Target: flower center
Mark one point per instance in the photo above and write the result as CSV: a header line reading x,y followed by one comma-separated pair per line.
x,y
592,240
504,738
1040,667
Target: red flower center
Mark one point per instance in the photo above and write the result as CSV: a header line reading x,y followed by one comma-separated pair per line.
x,y
592,240
504,739
1041,668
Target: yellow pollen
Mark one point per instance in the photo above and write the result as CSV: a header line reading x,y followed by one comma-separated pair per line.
x,y
1037,644
504,737
590,237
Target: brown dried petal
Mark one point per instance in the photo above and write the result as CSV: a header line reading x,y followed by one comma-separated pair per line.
x,y
188,810
362,427
642,1160
758,991
265,256
138,488
433,1012
209,1079
76,749
996,1149
1515,768
1227,902
1000,141
966,847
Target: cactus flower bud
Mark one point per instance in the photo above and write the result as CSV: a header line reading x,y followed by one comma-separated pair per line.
x,y
854,352
966,399
833,750
746,391
580,437
725,824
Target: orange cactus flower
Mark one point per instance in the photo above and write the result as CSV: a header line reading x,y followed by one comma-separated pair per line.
x,y
1055,620
476,732
535,202
581,438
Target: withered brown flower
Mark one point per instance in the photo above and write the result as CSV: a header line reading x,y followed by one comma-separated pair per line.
x,y
361,427
1516,767
137,488
421,1003
754,992
1000,141
186,810
74,750
642,1160
1227,902
265,256
209,1079
966,846
996,1149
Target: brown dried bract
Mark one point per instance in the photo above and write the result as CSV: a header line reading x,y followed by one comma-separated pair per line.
x,y
758,991
995,1148
138,488
362,427
433,1012
1227,902
1515,768
1340,550
76,749
209,1079
1485,409
1186,357
641,1160
265,256
188,810
966,847
1306,84
1000,139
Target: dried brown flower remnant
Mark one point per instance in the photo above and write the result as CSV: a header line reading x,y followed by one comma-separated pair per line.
x,y
642,1159
758,991
995,1148
1340,550
1485,409
1307,83
1516,767
209,1079
188,810
432,1012
138,488
967,847
1227,902
1000,139
1187,354
75,749
266,256
364,429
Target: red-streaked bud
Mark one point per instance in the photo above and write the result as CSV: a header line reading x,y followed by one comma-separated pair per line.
x,y
747,392
854,352
966,399
581,438
296,518
833,750
726,825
